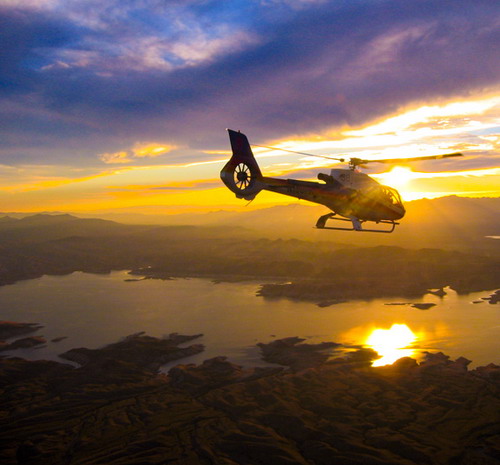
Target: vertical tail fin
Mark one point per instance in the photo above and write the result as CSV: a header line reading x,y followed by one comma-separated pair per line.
x,y
241,174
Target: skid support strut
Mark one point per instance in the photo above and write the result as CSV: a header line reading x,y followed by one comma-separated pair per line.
x,y
356,224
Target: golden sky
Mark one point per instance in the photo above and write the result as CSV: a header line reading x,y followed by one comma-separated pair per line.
x,y
123,104
471,126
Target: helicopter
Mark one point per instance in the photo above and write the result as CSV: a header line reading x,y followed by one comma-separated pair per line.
x,y
350,195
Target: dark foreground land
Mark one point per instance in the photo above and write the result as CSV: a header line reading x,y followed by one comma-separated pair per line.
x,y
319,410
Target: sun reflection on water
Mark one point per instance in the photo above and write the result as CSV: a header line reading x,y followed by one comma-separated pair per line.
x,y
392,344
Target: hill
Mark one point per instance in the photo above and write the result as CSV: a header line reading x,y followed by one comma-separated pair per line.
x,y
452,222
44,227
448,222
456,223
61,244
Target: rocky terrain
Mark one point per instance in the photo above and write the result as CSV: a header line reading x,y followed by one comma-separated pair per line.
x,y
10,329
136,351
318,409
292,352
494,298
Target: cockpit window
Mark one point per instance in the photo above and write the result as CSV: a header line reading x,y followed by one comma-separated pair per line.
x,y
392,195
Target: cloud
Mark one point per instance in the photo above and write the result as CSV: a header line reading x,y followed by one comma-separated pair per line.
x,y
139,151
152,150
191,186
30,4
97,75
116,157
173,186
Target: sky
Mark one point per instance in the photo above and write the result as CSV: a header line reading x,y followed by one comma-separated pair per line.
x,y
118,104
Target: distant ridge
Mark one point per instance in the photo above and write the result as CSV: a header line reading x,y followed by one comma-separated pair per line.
x,y
40,219
44,218
44,227
452,222
447,222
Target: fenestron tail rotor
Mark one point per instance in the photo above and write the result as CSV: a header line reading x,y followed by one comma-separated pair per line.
x,y
242,176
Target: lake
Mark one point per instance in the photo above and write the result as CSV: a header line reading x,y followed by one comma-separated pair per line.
x,y
94,310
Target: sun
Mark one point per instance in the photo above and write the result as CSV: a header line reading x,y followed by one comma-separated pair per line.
x,y
398,177
392,344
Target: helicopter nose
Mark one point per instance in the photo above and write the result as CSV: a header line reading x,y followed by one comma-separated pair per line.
x,y
400,211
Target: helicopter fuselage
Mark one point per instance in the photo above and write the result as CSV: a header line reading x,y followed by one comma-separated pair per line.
x,y
344,192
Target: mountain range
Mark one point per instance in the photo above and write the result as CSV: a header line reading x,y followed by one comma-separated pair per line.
x,y
456,223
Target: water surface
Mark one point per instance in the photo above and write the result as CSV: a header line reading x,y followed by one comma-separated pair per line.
x,y
94,310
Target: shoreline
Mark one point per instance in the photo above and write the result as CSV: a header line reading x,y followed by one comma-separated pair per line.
x,y
319,291
21,337
377,314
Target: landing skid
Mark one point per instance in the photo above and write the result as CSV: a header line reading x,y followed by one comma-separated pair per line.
x,y
356,224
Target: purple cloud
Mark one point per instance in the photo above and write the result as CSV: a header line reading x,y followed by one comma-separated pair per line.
x,y
78,81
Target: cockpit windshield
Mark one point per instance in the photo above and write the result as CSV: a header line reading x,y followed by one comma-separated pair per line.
x,y
392,195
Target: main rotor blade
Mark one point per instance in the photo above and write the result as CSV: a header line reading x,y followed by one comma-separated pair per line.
x,y
300,153
405,160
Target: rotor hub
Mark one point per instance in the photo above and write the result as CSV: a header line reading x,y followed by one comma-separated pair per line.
x,y
242,176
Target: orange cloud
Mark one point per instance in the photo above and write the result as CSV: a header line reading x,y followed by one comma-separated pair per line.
x,y
152,150
117,157
140,150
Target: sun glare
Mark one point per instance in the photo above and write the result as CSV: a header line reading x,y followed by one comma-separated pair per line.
x,y
398,177
392,344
